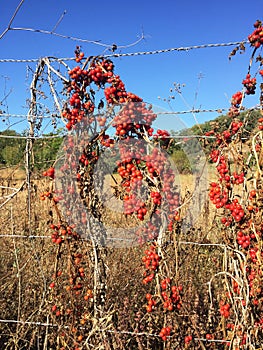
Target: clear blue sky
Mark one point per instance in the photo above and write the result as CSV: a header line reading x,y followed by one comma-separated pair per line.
x,y
165,24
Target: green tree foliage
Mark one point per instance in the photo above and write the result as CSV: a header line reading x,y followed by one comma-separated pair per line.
x,y
11,148
181,148
45,151
13,145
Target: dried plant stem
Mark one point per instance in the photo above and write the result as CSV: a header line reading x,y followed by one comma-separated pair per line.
x,y
18,275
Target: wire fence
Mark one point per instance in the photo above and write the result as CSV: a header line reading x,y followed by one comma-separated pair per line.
x,y
29,189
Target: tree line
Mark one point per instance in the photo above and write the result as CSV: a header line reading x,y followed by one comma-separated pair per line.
x,y
13,143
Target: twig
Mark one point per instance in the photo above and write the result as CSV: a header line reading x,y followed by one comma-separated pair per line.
x,y
59,21
53,91
12,19
13,194
18,276
47,62
258,171
95,42
29,142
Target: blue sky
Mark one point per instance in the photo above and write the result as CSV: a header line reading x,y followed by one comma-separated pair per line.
x,y
165,24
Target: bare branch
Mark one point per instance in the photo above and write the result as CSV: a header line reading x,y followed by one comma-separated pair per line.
x,y
52,89
52,32
96,42
47,62
12,19
59,21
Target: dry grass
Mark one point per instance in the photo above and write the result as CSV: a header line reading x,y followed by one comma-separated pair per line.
x,y
27,265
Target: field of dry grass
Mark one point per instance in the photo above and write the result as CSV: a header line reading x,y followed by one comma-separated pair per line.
x,y
27,265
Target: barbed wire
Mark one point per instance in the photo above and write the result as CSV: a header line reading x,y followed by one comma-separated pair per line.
x,y
189,111
29,137
47,324
134,333
49,237
186,48
130,54
59,136
216,245
209,110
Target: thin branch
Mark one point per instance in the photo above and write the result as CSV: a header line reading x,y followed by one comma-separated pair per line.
x,y
59,21
18,275
47,62
12,19
95,42
53,91
13,194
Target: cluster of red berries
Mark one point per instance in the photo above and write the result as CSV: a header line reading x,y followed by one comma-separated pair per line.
x,y
222,167
238,179
171,295
50,173
224,309
236,288
79,55
188,339
253,254
88,158
235,126
260,124
148,278
236,209
129,171
250,84
151,259
74,283
101,72
162,135
218,196
165,332
147,232
256,38
81,103
131,153
131,181
243,240
240,212
236,101
224,170
56,310
214,155
45,194
210,133
60,232
158,165
116,93
151,303
106,141
134,205
133,121
226,135
134,118
157,198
